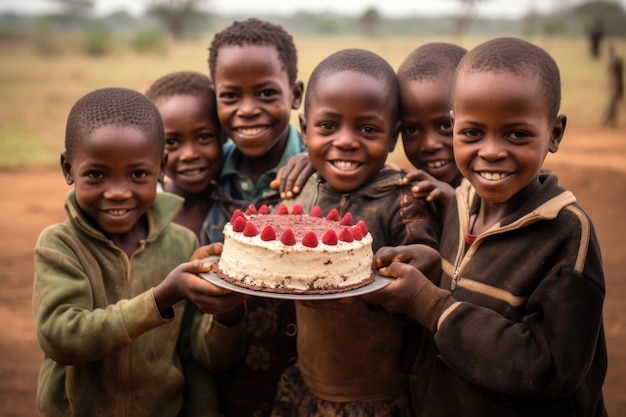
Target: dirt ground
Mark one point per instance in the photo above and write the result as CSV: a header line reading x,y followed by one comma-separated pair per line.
x,y
591,164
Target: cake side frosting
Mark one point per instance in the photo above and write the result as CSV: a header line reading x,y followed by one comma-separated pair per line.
x,y
311,261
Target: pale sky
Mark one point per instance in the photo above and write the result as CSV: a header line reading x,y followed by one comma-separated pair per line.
x,y
486,8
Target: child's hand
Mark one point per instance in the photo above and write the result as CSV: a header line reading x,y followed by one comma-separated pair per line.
x,y
422,257
396,296
293,175
206,251
184,283
426,186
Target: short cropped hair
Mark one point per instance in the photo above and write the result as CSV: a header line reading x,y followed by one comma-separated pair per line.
x,y
519,57
257,32
112,106
183,83
360,61
431,61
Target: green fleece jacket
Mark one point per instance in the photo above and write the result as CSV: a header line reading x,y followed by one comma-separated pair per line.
x,y
107,349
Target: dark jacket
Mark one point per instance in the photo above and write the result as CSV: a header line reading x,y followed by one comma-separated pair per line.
x,y
521,334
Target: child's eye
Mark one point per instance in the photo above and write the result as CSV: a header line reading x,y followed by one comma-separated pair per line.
x,y
369,130
410,131
472,133
269,93
139,174
206,137
446,127
518,134
94,175
326,126
228,96
171,143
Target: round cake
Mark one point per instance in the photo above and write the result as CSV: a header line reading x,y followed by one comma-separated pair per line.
x,y
296,252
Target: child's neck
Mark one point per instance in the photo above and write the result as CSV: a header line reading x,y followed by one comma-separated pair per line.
x,y
255,166
131,240
490,213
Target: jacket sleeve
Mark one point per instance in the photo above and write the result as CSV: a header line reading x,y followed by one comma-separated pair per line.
x,y
69,329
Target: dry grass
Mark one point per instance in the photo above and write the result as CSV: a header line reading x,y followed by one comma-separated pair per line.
x,y
37,92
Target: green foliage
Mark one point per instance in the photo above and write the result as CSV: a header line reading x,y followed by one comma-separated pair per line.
x,y
96,40
149,40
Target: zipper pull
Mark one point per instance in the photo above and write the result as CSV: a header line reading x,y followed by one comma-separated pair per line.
x,y
455,277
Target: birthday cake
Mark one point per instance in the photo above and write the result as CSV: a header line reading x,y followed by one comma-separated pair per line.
x,y
294,252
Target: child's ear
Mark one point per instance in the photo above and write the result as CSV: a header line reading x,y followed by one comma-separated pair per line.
x,y
302,120
298,92
558,129
66,167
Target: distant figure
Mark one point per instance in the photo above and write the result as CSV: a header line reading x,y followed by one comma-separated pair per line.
x,y
596,33
616,86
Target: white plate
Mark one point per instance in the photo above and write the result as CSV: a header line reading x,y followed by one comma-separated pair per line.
x,y
378,283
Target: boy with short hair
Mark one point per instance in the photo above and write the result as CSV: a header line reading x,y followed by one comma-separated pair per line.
x,y
349,354
253,66
425,77
193,142
107,318
515,325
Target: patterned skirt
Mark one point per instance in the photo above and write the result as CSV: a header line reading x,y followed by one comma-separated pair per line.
x,y
293,399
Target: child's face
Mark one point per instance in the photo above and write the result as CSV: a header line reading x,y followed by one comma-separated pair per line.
x,y
192,141
502,132
348,129
427,128
115,171
254,98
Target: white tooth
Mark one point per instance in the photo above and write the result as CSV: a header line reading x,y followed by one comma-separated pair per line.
x,y
250,131
493,176
435,164
346,165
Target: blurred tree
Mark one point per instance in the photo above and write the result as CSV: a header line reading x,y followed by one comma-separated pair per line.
x,y
610,12
463,20
370,22
176,15
75,7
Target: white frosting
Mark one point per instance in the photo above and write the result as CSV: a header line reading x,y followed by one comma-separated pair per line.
x,y
273,265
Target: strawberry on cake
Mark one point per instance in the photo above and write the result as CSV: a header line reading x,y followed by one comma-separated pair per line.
x,y
296,252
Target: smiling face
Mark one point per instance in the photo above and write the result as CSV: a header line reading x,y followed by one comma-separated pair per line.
x,y
349,128
427,128
115,170
254,98
192,142
502,132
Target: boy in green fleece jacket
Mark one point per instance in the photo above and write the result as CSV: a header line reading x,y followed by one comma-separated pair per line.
x,y
111,281
514,326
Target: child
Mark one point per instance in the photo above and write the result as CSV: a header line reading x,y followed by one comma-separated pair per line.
x,y
106,320
516,321
253,65
349,355
616,86
425,79
193,141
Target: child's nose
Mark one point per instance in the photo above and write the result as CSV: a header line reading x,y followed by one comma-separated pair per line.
x,y
429,142
248,107
345,140
491,148
118,190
